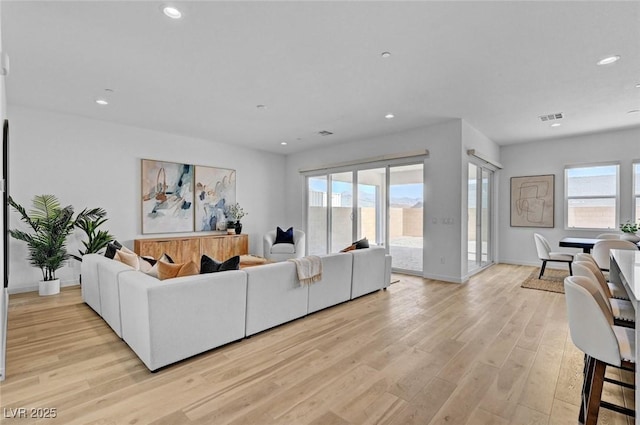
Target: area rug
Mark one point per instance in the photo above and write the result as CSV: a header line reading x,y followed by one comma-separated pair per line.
x,y
552,280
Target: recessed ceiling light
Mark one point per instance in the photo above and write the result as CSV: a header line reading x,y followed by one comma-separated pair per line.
x,y
638,86
385,54
102,102
633,111
609,60
389,116
556,124
172,12
283,143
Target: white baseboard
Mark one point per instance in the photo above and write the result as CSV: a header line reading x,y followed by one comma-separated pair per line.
x,y
443,278
34,288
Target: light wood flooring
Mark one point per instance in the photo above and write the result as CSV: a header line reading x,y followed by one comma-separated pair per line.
x,y
423,352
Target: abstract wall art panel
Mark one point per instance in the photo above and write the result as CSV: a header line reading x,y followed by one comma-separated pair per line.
x,y
215,189
532,201
167,197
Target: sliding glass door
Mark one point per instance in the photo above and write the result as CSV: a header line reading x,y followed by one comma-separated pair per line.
x,y
479,217
406,206
317,214
383,204
371,205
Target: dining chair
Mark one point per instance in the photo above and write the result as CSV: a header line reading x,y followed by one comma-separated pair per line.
x,y
603,343
616,290
623,312
545,254
601,250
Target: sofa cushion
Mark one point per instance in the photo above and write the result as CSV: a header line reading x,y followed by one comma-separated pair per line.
x,y
209,265
283,248
284,236
171,270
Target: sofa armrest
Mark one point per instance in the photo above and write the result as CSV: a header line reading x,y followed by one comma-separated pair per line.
x,y
167,321
90,286
387,270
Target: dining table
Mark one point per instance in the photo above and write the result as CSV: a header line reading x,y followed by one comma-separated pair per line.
x,y
586,244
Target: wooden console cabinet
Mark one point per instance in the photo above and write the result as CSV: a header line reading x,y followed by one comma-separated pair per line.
x,y
190,248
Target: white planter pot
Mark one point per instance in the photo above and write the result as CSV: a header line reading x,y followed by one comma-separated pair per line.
x,y
630,237
49,287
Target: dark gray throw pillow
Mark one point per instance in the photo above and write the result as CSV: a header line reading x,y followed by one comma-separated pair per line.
x,y
362,243
209,265
112,247
284,236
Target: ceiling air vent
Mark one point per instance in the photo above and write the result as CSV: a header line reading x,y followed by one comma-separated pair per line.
x,y
325,133
551,117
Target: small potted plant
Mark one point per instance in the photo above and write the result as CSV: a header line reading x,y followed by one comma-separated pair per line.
x,y
235,213
629,230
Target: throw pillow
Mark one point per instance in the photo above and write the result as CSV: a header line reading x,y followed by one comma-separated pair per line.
x,y
209,265
188,269
153,271
128,259
112,247
150,260
284,236
349,248
362,243
171,270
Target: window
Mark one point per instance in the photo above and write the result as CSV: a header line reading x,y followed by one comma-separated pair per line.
x,y
636,191
591,196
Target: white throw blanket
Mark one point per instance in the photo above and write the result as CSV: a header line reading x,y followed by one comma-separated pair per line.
x,y
309,269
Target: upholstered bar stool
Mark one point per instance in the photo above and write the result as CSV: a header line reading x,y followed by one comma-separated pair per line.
x,y
622,310
616,290
592,331
601,250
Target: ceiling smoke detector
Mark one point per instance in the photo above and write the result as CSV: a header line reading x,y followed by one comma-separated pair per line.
x,y
551,117
325,133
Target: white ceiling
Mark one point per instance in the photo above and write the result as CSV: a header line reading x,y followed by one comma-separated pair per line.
x,y
318,66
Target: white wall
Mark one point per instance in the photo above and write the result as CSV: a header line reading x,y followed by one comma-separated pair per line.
x,y
550,157
90,163
445,186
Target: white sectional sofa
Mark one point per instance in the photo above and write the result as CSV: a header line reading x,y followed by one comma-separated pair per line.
x,y
167,321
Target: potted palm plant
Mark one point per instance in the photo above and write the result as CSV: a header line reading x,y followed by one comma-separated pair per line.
x,y
50,224
97,240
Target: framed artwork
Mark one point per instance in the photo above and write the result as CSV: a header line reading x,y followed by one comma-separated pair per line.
x,y
532,201
215,189
167,197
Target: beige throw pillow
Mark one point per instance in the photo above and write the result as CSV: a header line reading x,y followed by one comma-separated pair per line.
x,y
130,259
